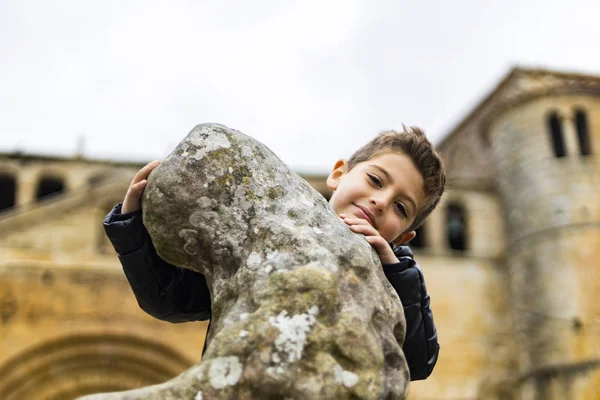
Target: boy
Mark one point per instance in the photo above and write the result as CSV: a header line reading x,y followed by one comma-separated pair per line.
x,y
384,191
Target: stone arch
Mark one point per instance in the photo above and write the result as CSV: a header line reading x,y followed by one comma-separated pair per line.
x,y
77,365
50,180
49,185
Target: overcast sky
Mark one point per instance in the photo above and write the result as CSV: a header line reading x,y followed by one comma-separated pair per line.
x,y
313,80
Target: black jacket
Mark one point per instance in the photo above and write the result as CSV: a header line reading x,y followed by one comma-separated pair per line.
x,y
177,294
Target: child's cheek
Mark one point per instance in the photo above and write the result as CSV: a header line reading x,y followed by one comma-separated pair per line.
x,y
334,203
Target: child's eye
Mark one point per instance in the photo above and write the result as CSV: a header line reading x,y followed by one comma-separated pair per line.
x,y
375,180
400,207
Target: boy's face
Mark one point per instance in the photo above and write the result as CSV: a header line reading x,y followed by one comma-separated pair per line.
x,y
386,191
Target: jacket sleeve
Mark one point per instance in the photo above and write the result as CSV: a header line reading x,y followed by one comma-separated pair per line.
x,y
162,290
421,346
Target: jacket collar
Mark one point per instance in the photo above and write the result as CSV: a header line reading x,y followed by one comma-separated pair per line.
x,y
403,251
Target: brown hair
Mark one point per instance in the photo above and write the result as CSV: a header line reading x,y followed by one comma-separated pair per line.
x,y
413,143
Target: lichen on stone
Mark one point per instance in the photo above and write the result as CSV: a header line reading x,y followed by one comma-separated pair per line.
x,y
293,330
225,371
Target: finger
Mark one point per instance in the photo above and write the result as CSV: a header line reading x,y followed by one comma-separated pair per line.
x,y
135,192
377,242
356,221
144,172
138,188
383,249
366,230
132,201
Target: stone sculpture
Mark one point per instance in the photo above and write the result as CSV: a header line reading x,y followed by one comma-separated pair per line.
x,y
300,306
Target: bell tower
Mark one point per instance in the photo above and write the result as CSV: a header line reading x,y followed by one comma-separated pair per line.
x,y
545,140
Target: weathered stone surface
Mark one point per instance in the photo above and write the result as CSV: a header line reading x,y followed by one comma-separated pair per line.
x,y
301,307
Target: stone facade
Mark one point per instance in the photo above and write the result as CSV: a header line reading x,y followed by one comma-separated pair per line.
x,y
515,302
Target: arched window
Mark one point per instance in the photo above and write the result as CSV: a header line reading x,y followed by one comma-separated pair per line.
x,y
8,190
583,135
419,241
48,186
556,134
456,225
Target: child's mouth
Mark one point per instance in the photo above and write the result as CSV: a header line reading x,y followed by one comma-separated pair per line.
x,y
366,215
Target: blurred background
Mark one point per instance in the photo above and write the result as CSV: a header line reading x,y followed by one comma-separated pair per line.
x,y
509,92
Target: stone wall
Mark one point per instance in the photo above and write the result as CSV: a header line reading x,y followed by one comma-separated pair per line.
x,y
552,210
69,323
52,264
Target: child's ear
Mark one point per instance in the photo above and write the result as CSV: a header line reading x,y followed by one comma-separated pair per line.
x,y
338,170
405,238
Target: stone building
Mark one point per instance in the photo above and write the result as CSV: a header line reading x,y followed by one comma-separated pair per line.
x,y
510,256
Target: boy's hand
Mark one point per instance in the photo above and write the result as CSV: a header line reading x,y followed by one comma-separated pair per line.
x,y
133,197
383,249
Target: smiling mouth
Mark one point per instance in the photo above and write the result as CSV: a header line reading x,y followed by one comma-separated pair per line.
x,y
366,215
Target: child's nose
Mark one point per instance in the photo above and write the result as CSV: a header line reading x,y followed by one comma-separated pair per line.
x,y
379,205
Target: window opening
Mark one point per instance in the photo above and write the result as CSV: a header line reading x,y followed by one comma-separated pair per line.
x,y
556,135
456,227
583,136
48,186
419,241
8,189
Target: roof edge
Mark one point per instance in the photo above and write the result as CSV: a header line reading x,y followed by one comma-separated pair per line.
x,y
513,72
